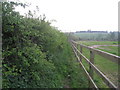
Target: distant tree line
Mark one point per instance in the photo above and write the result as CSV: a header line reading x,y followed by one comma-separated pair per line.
x,y
101,36
89,31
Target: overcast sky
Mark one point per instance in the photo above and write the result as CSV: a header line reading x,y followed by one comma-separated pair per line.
x,y
79,15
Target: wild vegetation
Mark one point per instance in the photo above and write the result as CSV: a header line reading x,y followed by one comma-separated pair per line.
x,y
35,54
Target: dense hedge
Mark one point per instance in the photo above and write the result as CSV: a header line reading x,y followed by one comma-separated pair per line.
x,y
36,55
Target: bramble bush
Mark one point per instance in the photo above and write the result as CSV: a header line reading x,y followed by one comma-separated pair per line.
x,y
35,54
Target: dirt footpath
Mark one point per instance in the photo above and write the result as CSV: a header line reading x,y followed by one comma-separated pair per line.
x,y
97,46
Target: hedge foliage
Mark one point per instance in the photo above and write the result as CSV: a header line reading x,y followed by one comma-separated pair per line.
x,y
36,54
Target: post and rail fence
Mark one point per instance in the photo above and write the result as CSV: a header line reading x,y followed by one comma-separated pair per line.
x,y
79,55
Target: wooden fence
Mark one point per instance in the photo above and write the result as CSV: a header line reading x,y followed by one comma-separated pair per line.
x,y
92,67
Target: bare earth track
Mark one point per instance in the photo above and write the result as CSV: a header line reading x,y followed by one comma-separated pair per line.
x,y
96,46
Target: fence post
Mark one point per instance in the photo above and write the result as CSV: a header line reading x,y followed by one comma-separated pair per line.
x,y
90,68
76,48
81,52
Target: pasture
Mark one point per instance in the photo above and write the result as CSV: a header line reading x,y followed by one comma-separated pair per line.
x,y
109,68
107,46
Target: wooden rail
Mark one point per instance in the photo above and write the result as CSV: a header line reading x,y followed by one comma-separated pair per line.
x,y
109,56
87,74
92,67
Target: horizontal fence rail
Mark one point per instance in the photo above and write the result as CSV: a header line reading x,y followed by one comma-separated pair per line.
x,y
91,63
87,74
109,56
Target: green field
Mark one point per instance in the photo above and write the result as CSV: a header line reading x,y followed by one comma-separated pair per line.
x,y
90,43
109,49
110,69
